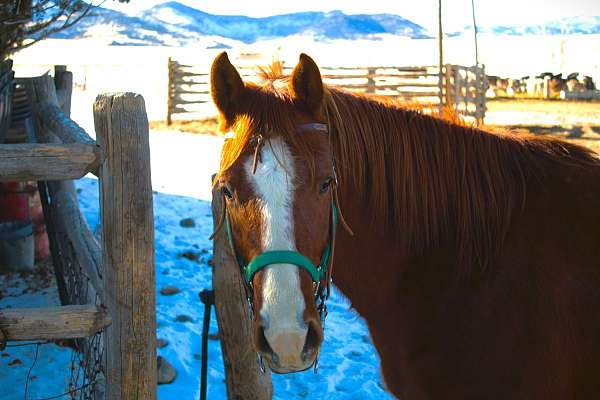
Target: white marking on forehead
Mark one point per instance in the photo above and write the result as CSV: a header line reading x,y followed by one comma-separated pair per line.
x,y
273,183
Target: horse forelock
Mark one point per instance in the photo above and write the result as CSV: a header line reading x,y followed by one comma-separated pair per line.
x,y
268,111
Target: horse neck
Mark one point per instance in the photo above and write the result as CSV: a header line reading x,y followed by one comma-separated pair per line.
x,y
414,186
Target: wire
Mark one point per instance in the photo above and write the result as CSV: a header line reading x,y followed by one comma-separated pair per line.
x,y
37,348
69,392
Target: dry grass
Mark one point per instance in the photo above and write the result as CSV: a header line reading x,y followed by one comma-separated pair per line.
x,y
576,121
202,126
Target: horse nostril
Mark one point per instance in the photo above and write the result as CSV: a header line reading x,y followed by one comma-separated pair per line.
x,y
261,342
314,337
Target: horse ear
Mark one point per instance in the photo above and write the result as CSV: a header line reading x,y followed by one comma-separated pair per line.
x,y
306,86
226,86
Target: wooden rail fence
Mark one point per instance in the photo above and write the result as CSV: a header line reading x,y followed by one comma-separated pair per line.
x,y
113,288
462,87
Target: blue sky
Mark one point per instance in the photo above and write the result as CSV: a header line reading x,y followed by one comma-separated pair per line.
x,y
457,13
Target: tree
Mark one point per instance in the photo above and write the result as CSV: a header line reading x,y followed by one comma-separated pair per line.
x,y
36,20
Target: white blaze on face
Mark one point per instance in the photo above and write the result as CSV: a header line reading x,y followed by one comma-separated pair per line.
x,y
283,303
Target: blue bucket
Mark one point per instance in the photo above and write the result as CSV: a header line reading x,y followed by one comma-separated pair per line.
x,y
17,246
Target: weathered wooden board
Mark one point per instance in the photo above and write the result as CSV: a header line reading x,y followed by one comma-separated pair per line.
x,y
31,161
65,128
52,323
63,81
80,246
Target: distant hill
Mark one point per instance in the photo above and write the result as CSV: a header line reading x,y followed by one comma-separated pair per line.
x,y
175,24
564,26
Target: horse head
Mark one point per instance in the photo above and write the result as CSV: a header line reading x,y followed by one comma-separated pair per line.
x,y
276,181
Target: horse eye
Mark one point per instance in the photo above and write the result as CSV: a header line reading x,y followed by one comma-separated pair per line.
x,y
326,184
226,192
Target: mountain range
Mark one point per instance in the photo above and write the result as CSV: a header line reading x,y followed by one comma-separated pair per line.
x,y
175,24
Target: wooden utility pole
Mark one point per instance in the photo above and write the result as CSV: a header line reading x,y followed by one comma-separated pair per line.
x,y
475,33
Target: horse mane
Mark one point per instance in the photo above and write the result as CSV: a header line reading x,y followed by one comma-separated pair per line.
x,y
427,181
431,182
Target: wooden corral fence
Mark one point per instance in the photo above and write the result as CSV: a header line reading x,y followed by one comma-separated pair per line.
x,y
6,89
462,87
464,90
107,286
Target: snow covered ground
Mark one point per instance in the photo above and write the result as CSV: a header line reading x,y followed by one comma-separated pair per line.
x,y
181,168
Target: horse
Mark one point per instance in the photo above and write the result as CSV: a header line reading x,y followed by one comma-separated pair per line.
x,y
473,256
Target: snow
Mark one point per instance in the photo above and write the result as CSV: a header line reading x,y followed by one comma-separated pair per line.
x,y
181,168
170,16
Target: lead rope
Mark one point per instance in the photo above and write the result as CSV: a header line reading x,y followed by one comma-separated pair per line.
x,y
346,227
208,299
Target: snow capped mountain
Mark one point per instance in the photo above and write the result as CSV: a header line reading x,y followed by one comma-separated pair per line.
x,y
175,24
564,26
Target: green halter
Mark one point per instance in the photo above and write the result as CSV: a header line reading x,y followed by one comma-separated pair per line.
x,y
317,273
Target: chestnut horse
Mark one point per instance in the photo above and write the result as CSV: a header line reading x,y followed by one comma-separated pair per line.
x,y
475,258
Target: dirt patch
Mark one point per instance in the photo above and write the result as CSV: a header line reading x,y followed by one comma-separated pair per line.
x,y
576,121
202,126
16,283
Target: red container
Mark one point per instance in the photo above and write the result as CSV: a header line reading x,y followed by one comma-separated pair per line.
x,y
14,202
39,226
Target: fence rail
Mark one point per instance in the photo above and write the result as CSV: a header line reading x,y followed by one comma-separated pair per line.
x,y
52,323
462,87
106,288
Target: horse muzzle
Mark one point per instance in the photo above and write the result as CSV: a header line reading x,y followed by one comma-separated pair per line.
x,y
289,349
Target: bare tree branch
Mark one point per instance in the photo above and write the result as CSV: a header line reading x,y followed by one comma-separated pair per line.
x,y
38,19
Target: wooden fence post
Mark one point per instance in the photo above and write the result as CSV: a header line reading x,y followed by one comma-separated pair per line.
x,y
243,378
63,81
170,90
128,246
450,86
481,89
371,80
76,254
